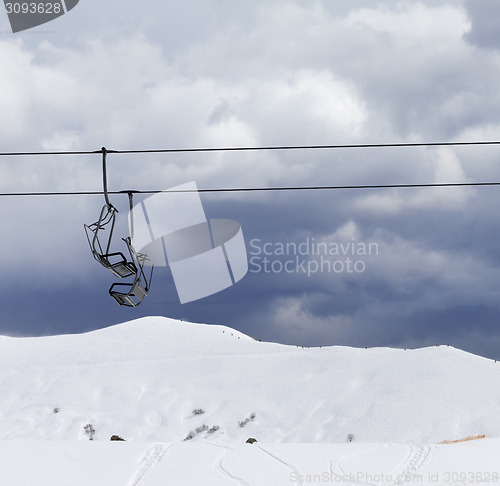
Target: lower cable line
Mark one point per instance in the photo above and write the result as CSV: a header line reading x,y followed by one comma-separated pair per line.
x,y
257,189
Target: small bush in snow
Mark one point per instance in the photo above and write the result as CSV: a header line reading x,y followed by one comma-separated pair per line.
x,y
203,428
242,423
198,411
56,410
190,435
89,431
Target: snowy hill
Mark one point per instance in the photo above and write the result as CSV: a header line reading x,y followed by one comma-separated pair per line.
x,y
144,379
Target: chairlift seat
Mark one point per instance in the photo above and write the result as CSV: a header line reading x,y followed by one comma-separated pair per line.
x,y
121,268
131,298
115,262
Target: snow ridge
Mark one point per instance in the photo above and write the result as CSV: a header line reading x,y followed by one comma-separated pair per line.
x,y
143,379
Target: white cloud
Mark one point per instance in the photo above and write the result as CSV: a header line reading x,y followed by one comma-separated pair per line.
x,y
414,25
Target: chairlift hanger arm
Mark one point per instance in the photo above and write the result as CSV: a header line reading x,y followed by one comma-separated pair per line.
x,y
104,176
105,151
131,212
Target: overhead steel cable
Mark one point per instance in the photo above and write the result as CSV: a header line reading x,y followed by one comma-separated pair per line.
x,y
103,151
257,189
247,149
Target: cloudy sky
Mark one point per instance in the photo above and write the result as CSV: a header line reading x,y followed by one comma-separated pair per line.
x,y
218,73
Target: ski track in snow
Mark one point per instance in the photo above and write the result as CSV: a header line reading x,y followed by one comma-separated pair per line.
x,y
293,468
152,456
342,474
407,472
221,470
418,456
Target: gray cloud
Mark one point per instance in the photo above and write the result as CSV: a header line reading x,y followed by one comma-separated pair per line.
x,y
485,23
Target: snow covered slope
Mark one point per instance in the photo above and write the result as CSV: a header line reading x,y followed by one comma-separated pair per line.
x,y
143,379
32,463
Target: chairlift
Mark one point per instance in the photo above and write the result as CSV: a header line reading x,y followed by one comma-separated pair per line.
x,y
117,262
133,293
114,261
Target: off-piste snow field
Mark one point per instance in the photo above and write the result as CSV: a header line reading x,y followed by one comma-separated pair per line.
x,y
186,398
